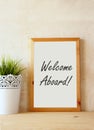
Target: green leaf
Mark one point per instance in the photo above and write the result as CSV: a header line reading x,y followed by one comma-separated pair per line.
x,y
10,66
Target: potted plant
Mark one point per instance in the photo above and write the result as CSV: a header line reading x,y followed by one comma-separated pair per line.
x,y
10,85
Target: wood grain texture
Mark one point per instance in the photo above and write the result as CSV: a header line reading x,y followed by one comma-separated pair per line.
x,y
55,39
31,95
31,75
78,75
48,121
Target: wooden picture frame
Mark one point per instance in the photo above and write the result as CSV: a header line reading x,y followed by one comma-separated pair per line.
x,y
57,95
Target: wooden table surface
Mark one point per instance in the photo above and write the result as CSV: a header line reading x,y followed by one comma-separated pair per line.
x,y
48,121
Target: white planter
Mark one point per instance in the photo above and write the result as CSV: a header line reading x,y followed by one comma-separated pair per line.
x,y
10,87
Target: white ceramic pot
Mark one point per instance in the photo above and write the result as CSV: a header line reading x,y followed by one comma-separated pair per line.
x,y
10,87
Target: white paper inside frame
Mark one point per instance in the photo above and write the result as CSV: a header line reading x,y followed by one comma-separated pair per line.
x,y
55,74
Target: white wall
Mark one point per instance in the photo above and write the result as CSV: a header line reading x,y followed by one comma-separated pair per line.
x,y
22,19
13,36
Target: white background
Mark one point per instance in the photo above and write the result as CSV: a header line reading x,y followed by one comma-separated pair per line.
x,y
55,96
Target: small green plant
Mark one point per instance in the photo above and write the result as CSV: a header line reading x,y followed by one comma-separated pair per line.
x,y
9,66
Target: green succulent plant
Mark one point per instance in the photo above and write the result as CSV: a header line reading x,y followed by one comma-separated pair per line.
x,y
10,66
